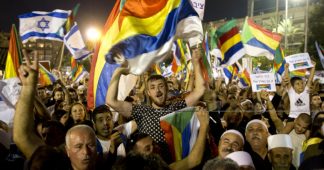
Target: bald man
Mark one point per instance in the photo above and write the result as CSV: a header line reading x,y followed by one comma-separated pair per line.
x,y
81,147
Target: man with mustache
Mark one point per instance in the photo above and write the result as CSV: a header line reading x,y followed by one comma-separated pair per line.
x,y
230,141
280,152
256,134
147,116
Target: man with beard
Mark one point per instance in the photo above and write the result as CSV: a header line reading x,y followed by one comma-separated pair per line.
x,y
280,152
147,116
256,134
230,141
107,142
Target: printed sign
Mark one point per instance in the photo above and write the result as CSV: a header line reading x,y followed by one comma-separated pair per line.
x,y
299,61
263,81
199,6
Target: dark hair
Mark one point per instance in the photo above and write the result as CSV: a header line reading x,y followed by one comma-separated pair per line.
x,y
56,90
133,139
55,135
58,114
294,79
316,126
157,77
100,109
46,157
138,161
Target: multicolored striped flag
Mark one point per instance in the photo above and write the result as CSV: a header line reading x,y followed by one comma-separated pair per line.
x,y
79,73
45,78
206,69
229,42
141,32
14,56
259,41
180,131
230,72
245,78
279,61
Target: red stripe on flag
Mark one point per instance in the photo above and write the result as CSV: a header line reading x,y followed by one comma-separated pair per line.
x,y
228,35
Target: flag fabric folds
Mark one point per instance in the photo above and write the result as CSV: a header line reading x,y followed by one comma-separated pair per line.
x,y
279,61
74,42
43,25
230,72
14,56
245,78
45,78
229,42
142,32
259,41
79,73
320,51
180,131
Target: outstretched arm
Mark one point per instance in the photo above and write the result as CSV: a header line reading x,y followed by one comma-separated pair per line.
x,y
23,132
286,80
195,156
122,107
311,75
194,96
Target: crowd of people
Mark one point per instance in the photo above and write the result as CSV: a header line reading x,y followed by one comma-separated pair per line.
x,y
239,129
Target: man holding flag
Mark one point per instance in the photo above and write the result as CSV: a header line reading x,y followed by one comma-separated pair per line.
x,y
147,117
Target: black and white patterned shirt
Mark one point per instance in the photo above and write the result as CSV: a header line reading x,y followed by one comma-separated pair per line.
x,y
148,118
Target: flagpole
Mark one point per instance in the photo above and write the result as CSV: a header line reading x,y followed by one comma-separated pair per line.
x,y
61,57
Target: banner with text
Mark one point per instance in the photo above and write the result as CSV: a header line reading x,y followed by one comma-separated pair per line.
x,y
299,61
263,81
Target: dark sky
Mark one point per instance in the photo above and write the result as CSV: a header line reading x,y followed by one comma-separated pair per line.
x,y
95,12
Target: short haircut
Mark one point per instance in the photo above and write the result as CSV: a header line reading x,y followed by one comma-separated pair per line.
x,y
156,77
294,79
221,164
131,142
305,118
77,127
100,109
46,157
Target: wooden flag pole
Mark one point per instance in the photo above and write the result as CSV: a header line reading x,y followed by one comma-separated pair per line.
x,y
61,57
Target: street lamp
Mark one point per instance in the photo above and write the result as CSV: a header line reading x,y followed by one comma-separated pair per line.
x,y
93,34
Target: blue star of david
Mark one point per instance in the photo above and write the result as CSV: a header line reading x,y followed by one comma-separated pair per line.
x,y
43,24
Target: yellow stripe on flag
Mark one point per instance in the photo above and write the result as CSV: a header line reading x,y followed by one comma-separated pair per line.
x,y
230,43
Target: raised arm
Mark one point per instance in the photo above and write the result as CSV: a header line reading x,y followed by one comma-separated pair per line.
x,y
122,107
311,75
195,156
194,96
285,79
24,134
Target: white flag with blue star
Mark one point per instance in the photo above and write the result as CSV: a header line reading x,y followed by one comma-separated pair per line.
x,y
74,42
43,25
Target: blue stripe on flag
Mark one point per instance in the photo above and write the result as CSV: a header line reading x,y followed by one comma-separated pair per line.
x,y
227,73
41,35
257,43
185,135
230,52
74,29
140,44
51,14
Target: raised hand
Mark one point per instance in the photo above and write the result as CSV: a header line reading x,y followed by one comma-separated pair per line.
x,y
28,73
203,116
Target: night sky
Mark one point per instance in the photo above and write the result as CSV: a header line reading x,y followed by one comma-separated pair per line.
x,y
95,12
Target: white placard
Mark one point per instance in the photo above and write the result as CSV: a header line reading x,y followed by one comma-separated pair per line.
x,y
299,61
199,6
263,81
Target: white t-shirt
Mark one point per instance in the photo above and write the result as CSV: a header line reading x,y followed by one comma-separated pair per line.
x,y
297,142
299,103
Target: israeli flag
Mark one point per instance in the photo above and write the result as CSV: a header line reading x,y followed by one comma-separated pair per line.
x,y
74,42
43,25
